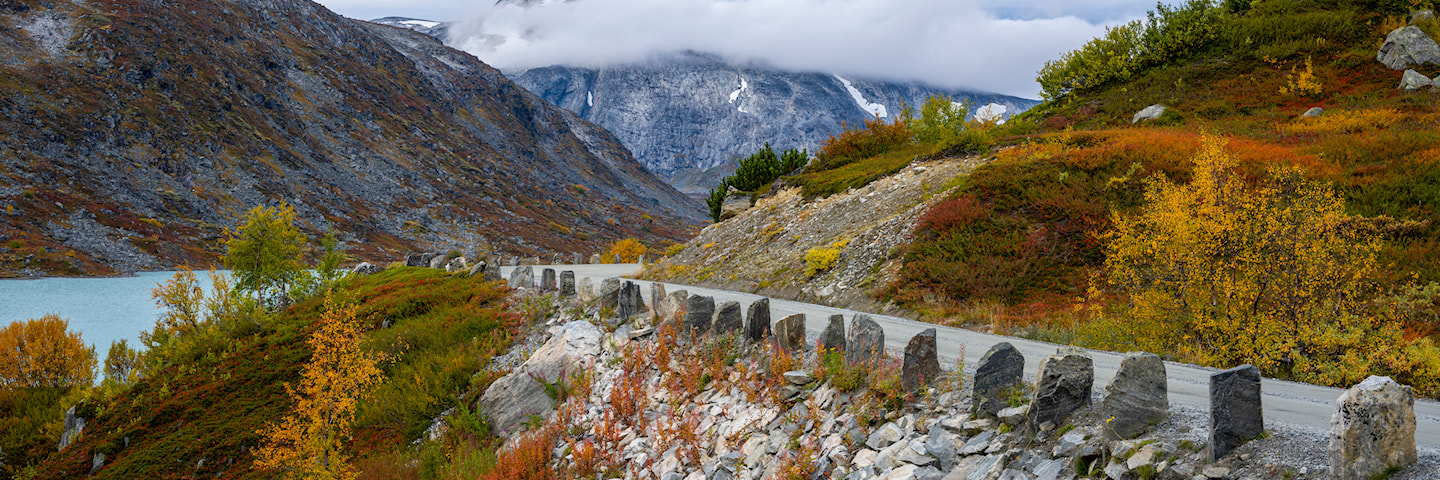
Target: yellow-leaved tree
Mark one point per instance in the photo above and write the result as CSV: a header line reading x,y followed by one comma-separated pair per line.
x,y
44,353
1274,273
629,250
309,442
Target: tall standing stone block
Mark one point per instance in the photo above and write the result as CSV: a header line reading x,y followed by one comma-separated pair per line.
x,y
1236,415
567,284
1137,398
1372,430
865,342
610,294
595,259
922,364
657,295
757,321
672,307
997,376
727,319
790,333
833,337
547,280
522,277
492,271
699,311
586,291
1062,388
628,301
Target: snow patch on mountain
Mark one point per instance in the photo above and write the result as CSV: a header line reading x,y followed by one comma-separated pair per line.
x,y
993,111
589,99
874,108
736,94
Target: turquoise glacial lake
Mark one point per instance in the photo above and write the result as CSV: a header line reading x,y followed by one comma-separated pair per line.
x,y
101,309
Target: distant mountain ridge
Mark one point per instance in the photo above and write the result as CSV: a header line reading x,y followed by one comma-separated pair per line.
x,y
689,116
132,134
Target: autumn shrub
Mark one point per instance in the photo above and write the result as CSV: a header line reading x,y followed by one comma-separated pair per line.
x,y
1221,272
1344,122
44,353
831,366
821,259
817,182
629,250
874,137
27,417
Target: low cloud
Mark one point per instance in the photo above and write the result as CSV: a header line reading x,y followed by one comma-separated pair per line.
x,y
988,45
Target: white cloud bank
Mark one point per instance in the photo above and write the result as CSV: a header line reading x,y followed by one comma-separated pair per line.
x,y
953,43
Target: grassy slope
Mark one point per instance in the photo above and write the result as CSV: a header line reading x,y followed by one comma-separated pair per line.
x,y
1023,231
201,419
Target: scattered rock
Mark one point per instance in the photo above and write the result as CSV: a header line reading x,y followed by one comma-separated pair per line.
x,y
727,319
1063,386
699,312
997,377
366,268
419,259
1236,416
833,338
1013,416
1148,113
865,342
884,436
1414,81
798,377
757,321
438,262
457,264
1373,429
790,333
922,364
513,398
1137,397
1313,112
1406,46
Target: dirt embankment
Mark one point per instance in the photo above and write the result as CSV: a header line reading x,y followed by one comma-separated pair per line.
x,y
763,250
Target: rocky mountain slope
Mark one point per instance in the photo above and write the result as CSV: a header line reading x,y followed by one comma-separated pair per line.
x,y
133,132
763,249
690,116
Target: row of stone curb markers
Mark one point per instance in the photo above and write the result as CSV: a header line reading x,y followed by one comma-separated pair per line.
x,y
1372,430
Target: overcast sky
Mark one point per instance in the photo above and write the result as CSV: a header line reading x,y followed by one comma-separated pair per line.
x,y
991,45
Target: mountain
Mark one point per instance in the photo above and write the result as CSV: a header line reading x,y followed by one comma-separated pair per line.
x,y
690,116
133,133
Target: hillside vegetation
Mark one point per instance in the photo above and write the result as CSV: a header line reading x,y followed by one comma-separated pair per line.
x,y
1029,242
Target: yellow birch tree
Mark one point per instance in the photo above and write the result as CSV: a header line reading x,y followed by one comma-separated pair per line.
x,y
309,443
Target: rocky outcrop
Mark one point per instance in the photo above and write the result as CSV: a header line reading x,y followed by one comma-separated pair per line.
x,y
1408,46
1373,429
1236,414
1413,81
1152,112
529,389
366,268
1137,398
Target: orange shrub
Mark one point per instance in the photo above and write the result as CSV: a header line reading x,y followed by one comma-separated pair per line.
x,y
875,138
43,353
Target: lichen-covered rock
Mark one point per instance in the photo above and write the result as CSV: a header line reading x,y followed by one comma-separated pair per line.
x,y
922,363
1407,46
1413,81
1236,414
865,342
548,280
1148,113
1137,397
833,338
366,268
609,294
1372,430
790,333
513,398
997,376
1062,388
522,277
567,284
727,319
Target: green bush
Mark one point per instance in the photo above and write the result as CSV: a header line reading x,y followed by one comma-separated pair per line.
x,y
754,173
1166,34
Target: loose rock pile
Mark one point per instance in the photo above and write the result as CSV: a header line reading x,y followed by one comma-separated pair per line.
x,y
657,404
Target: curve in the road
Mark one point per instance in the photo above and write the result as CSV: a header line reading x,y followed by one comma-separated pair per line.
x,y
1284,402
